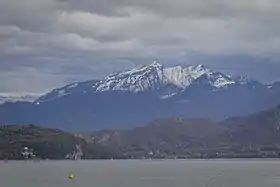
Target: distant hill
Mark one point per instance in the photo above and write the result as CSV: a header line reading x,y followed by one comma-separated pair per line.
x,y
126,99
257,135
262,128
46,143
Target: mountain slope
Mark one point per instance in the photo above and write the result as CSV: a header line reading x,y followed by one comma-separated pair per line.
x,y
260,128
127,99
47,143
255,135
26,98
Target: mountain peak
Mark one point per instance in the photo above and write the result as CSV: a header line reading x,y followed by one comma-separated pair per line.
x,y
138,79
141,69
156,64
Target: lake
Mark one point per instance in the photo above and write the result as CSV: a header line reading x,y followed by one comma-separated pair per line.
x,y
141,173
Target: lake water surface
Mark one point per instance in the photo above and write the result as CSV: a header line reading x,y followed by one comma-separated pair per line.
x,y
141,173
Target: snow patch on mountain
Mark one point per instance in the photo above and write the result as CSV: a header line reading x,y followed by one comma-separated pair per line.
x,y
184,77
222,81
168,95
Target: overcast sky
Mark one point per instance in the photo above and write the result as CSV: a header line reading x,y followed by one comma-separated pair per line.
x,y
48,43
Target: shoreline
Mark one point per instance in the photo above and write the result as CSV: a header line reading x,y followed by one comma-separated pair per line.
x,y
179,159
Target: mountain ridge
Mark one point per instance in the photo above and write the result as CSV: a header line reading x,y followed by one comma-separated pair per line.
x,y
11,98
142,94
149,77
256,135
252,136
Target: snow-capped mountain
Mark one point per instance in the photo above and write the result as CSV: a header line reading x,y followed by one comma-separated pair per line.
x,y
134,97
136,80
150,77
25,98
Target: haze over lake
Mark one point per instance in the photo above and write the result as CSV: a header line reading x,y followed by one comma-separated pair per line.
x,y
142,173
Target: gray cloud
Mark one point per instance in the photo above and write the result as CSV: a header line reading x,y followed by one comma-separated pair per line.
x,y
51,42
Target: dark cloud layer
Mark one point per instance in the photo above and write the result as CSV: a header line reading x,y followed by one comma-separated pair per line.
x,y
47,43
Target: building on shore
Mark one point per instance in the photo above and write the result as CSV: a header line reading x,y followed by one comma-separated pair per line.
x,y
27,153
